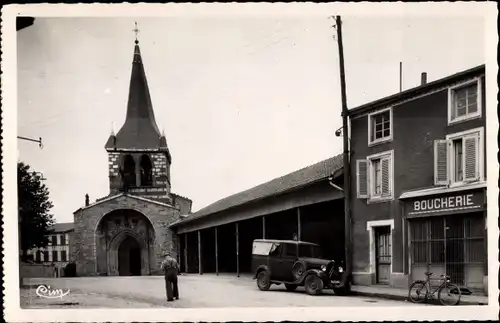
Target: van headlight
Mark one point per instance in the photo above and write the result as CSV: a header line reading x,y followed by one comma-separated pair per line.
x,y
323,267
341,269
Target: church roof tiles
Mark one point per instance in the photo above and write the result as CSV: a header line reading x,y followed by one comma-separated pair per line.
x,y
140,131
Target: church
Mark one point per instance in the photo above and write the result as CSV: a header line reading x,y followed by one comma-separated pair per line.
x,y
127,232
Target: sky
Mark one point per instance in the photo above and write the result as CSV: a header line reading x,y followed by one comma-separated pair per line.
x,y
241,100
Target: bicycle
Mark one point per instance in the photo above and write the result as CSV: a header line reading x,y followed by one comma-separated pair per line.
x,y
445,289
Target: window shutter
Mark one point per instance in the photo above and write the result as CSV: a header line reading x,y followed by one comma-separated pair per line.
x,y
386,176
362,178
441,162
471,158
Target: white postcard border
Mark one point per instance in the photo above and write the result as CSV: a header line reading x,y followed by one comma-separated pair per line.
x,y
13,312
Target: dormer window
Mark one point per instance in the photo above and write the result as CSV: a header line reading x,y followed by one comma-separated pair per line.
x,y
380,126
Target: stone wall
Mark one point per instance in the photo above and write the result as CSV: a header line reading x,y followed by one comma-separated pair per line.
x,y
87,220
182,203
161,171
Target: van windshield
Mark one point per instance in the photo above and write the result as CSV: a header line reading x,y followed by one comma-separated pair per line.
x,y
262,248
310,251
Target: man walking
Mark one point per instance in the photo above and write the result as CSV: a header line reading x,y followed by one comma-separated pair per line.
x,y
171,268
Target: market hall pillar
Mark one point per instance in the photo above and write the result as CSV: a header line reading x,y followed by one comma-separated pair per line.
x,y
200,259
216,253
237,251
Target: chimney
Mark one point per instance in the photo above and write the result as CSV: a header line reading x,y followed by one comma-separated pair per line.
x,y
87,200
424,78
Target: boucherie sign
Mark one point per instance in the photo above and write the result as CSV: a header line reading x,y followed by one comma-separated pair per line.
x,y
450,203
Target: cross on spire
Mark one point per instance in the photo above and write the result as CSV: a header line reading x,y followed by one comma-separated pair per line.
x,y
136,30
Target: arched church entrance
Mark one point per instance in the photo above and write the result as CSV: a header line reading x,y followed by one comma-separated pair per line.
x,y
129,257
125,241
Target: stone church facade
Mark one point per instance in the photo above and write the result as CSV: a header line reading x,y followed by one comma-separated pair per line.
x,y
126,233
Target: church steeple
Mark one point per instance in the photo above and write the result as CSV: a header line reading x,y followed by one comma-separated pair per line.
x,y
138,156
140,131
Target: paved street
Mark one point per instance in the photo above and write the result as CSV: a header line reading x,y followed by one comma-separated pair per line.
x,y
195,291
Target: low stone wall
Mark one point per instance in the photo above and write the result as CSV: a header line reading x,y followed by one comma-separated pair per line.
x,y
38,271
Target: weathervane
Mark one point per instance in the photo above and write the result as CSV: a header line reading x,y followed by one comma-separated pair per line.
x,y
136,30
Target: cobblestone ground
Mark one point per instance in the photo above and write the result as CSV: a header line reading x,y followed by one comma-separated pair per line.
x,y
195,291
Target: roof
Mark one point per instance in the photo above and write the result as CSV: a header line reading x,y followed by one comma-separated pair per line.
x,y
286,241
62,227
388,100
112,197
297,179
140,130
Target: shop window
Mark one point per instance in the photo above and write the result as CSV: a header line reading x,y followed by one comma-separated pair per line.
x,y
374,177
459,158
380,126
451,245
464,101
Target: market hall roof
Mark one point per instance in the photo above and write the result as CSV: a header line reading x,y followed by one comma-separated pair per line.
x,y
300,178
140,131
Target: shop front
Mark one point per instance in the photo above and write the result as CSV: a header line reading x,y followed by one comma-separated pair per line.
x,y
447,235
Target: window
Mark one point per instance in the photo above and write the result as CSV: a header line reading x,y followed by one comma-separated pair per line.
x,y
262,248
128,171
45,255
290,250
275,250
38,256
54,240
54,255
64,256
62,238
146,171
464,101
312,251
374,176
459,158
450,244
380,126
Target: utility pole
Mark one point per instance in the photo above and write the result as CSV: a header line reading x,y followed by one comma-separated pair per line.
x,y
346,281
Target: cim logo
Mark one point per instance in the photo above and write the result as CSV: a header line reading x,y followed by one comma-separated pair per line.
x,y
46,292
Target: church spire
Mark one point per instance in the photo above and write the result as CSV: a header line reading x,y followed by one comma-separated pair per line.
x,y
140,130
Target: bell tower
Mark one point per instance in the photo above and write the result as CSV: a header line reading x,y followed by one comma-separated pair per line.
x,y
138,156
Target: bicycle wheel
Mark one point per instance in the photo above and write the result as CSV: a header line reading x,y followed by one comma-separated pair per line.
x,y
417,293
449,294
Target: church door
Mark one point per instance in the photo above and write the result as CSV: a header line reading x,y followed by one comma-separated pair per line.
x,y
129,258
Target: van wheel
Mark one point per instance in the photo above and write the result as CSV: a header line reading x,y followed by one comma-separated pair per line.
x,y
313,285
290,287
263,281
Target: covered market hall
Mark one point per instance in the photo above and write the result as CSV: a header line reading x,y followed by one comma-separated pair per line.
x,y
305,205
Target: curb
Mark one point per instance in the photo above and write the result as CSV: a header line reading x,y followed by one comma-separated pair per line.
x,y
404,298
